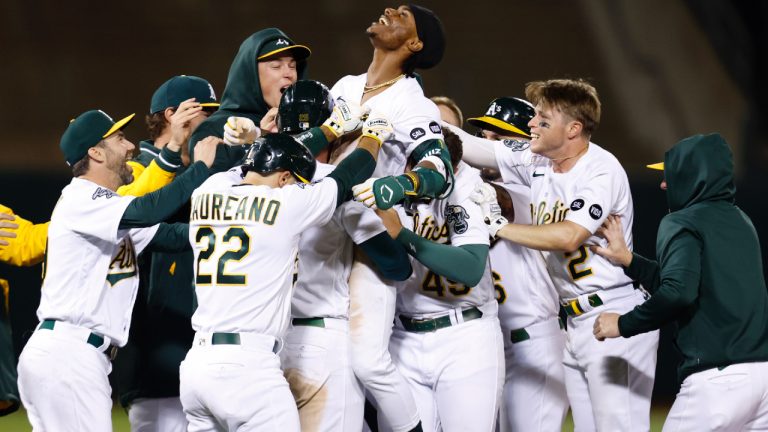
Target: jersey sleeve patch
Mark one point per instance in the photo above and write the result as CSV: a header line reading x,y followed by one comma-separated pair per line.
x,y
517,144
456,216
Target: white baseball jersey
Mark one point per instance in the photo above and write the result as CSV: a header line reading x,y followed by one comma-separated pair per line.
x,y
456,221
91,274
594,188
415,118
524,289
244,239
325,258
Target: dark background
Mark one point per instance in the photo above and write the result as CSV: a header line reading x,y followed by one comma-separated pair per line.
x,y
665,69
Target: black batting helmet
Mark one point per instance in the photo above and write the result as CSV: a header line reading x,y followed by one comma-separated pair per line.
x,y
304,105
506,115
279,151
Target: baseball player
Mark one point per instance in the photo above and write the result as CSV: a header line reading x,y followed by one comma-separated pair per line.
x,y
267,62
447,342
534,397
575,185
403,40
90,277
245,234
709,279
147,373
327,394
449,110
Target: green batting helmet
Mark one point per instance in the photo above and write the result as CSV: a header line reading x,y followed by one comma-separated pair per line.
x,y
279,151
506,115
305,104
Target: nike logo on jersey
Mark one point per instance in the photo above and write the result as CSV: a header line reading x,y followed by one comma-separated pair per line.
x,y
538,174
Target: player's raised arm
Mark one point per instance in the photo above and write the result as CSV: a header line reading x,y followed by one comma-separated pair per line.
x,y
159,205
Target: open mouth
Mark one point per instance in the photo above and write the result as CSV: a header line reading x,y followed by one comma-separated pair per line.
x,y
534,136
383,20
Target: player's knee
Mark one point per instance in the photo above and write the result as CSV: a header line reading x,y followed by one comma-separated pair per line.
x,y
369,366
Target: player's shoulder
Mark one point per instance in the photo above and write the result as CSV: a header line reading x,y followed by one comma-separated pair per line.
x,y
600,157
466,179
322,170
344,84
80,190
222,180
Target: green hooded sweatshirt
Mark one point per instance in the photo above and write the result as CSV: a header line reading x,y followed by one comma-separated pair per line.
x,y
242,97
709,275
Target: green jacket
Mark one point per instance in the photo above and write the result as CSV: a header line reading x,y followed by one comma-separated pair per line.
x,y
709,275
242,97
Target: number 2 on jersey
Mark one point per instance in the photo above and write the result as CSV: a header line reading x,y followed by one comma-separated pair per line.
x,y
233,253
576,261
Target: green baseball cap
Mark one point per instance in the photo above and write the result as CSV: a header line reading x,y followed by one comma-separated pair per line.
x,y
180,88
87,130
281,44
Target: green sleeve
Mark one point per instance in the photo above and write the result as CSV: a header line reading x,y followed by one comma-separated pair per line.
x,y
645,271
464,264
431,183
354,169
678,289
314,139
161,204
168,160
226,156
388,256
170,238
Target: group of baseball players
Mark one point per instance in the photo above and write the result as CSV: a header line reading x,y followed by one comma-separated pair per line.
x,y
293,257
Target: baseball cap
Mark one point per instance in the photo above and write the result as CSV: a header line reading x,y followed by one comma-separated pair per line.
x,y
87,130
659,166
429,28
180,88
281,44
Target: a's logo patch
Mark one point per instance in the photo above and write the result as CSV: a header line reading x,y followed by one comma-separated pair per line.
x,y
282,42
456,217
577,204
517,144
493,110
101,192
213,94
417,133
435,128
595,211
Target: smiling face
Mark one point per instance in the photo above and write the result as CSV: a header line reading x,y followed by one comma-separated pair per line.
x,y
394,29
118,151
551,130
275,75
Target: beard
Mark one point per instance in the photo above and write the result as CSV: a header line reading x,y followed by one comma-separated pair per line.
x,y
119,166
126,174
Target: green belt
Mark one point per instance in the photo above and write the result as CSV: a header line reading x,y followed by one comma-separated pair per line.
x,y
93,338
232,339
573,308
433,324
314,322
519,335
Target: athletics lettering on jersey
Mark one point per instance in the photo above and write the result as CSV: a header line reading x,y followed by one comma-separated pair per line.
x,y
542,215
123,264
430,230
218,207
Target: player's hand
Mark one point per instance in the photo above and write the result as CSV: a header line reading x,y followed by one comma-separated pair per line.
x,y
617,251
180,123
378,128
606,326
268,123
205,150
346,117
240,131
7,228
380,193
484,196
391,221
363,193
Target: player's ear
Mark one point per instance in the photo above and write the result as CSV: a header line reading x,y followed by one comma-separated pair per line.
x,y
415,45
97,153
574,129
284,178
168,113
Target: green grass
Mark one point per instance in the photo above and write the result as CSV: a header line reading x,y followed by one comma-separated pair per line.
x,y
17,422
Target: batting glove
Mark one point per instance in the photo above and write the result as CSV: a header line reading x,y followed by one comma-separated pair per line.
x,y
240,131
346,117
485,196
378,128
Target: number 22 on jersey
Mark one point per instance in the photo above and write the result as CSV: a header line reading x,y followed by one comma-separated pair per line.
x,y
233,245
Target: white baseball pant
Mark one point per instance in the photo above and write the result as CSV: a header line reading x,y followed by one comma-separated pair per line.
x,y
734,398
236,387
157,415
316,363
456,373
63,381
534,397
371,314
609,383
